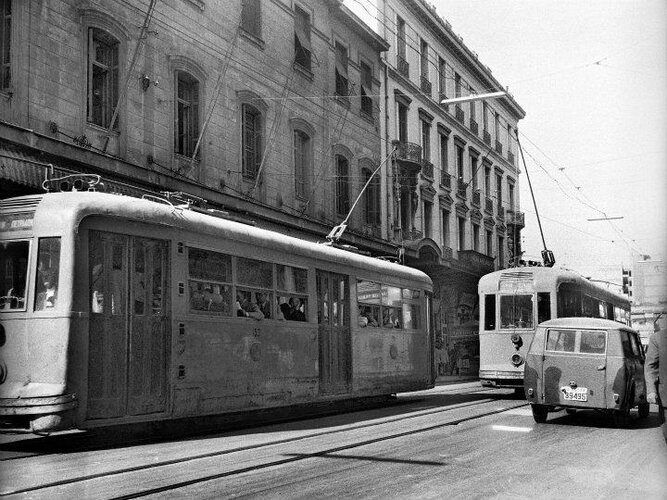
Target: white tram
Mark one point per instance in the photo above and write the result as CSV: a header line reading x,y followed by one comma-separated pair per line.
x,y
117,310
512,303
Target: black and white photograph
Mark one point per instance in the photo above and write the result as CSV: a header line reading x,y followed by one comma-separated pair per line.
x,y
346,249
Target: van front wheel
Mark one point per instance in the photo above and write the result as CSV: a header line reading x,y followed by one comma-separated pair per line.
x,y
540,413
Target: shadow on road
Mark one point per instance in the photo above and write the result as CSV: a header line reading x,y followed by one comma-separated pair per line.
x,y
264,422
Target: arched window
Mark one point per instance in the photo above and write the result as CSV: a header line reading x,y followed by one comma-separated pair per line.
x,y
342,185
251,140
102,77
302,162
371,198
187,113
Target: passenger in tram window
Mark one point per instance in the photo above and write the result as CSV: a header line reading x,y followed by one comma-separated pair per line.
x,y
390,318
297,308
367,313
363,320
285,312
246,307
264,303
49,294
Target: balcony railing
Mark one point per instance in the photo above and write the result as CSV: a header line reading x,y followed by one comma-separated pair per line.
x,y
474,128
426,86
488,207
476,261
413,235
409,155
461,188
500,211
476,198
446,180
403,66
427,169
499,147
515,218
510,157
487,137
460,115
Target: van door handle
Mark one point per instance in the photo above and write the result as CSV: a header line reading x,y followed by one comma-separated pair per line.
x,y
602,367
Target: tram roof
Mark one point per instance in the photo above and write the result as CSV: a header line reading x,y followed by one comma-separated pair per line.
x,y
70,208
584,323
544,276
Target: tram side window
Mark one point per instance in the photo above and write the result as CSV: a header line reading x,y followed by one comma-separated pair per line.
x,y
516,311
255,299
569,302
490,311
292,299
411,309
13,274
48,268
392,310
543,307
210,287
369,300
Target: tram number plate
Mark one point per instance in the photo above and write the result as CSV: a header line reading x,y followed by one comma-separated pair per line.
x,y
578,394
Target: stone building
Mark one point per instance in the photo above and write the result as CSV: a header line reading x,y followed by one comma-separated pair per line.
x,y
454,189
646,285
268,110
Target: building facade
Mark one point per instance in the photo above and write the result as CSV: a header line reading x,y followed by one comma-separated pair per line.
x,y
266,109
454,185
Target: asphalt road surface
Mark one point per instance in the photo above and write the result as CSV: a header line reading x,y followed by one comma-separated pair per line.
x,y
459,441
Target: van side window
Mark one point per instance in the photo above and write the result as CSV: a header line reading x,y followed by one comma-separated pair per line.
x,y
593,342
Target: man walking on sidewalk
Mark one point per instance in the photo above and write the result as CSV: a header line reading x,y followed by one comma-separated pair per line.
x,y
656,375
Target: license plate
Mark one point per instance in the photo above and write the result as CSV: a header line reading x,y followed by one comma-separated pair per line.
x,y
578,394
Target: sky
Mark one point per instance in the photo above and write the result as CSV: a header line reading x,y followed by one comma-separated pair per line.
x,y
592,78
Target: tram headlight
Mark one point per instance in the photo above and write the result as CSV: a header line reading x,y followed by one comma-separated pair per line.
x,y
517,359
516,340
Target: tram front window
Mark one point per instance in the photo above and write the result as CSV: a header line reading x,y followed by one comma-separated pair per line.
x,y
13,274
48,268
516,311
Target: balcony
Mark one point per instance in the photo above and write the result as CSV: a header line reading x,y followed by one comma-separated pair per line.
x,y
412,235
486,137
499,147
515,218
460,115
427,169
477,198
461,188
510,157
488,207
446,181
409,155
477,262
474,128
403,66
426,86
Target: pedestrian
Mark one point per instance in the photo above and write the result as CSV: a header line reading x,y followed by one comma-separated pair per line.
x,y
656,375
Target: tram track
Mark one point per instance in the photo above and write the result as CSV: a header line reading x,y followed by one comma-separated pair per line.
x,y
143,472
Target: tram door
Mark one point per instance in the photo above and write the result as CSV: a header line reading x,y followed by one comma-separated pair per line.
x,y
333,316
129,326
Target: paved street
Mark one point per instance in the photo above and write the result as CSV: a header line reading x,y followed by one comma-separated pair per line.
x,y
455,441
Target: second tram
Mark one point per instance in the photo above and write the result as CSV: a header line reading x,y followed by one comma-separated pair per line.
x,y
512,303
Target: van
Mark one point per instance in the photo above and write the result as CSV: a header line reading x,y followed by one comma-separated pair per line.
x,y
585,363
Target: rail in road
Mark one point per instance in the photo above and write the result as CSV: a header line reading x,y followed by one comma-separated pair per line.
x,y
137,470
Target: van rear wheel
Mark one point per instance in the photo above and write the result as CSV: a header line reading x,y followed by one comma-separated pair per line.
x,y
643,410
540,413
621,418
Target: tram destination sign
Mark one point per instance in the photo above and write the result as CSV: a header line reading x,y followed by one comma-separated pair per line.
x,y
16,222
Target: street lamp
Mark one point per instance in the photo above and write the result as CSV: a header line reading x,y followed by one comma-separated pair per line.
x,y
473,97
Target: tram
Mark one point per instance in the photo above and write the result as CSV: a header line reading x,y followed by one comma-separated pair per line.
x,y
120,310
512,303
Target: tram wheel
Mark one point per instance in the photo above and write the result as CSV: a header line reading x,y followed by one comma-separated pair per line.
x,y
520,393
540,413
643,410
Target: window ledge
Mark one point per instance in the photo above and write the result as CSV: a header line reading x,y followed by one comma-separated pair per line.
x,y
343,100
197,3
368,117
305,72
252,38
